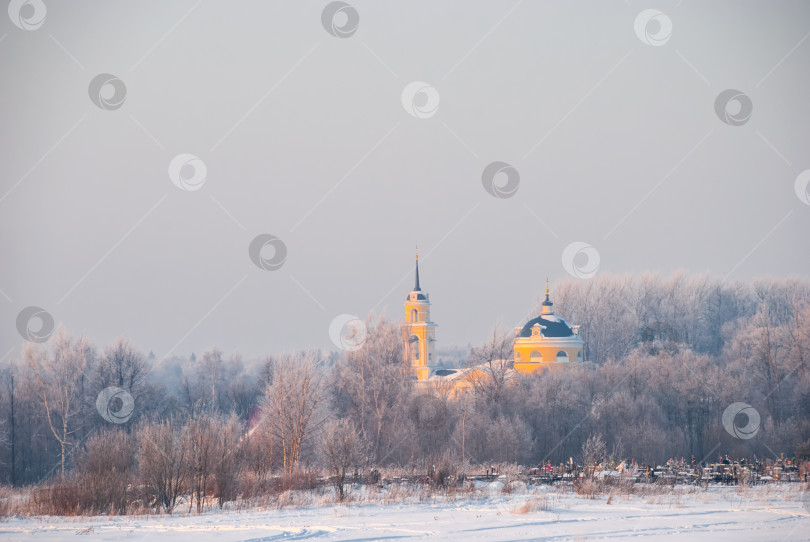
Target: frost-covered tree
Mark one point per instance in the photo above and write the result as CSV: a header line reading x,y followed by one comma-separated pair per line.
x,y
293,405
494,360
372,386
341,448
58,377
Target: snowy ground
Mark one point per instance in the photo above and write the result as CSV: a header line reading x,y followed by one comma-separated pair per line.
x,y
717,514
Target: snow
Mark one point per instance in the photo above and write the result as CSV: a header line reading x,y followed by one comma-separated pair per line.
x,y
716,514
554,318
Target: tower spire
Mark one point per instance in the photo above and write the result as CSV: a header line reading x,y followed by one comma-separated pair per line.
x,y
416,287
547,302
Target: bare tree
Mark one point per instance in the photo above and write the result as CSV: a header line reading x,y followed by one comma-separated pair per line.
x,y
761,341
58,378
243,394
341,448
9,375
228,435
372,384
216,384
199,435
493,359
106,465
594,450
163,461
798,330
122,365
293,405
258,450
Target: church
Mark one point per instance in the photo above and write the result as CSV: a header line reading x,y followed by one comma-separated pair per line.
x,y
545,342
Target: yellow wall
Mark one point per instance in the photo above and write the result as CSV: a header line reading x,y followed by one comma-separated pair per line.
x,y
424,330
525,365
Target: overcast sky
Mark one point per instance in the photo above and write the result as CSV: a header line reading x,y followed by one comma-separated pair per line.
x,y
604,115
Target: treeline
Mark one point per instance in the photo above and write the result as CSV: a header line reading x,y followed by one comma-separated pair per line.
x,y
666,357
701,312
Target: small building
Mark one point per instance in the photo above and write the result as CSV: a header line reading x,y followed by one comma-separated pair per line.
x,y
546,341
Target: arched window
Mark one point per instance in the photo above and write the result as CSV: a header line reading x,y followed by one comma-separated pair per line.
x,y
414,340
562,356
413,315
536,356
579,355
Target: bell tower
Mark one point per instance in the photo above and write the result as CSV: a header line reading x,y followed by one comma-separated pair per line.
x,y
418,332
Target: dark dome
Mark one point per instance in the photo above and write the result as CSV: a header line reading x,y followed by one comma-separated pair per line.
x,y
553,328
420,297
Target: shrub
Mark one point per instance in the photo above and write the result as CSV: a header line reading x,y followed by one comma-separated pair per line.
x,y
104,470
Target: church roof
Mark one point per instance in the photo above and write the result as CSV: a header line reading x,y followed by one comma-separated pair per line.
x,y
420,296
553,326
416,287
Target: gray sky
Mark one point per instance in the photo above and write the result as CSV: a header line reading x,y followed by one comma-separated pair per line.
x,y
304,136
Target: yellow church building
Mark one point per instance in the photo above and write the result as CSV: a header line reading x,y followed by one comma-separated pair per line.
x,y
544,342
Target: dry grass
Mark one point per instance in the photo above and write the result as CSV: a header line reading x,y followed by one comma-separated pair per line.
x,y
533,505
303,490
589,488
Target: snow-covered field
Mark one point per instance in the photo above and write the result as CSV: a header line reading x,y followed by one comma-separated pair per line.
x,y
717,514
